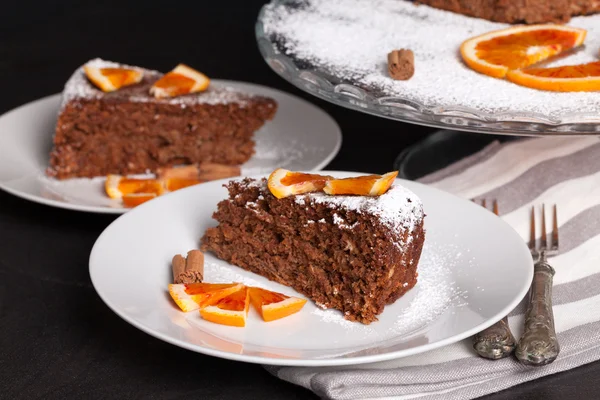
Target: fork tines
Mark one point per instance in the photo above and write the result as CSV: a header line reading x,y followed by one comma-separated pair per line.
x,y
544,246
483,203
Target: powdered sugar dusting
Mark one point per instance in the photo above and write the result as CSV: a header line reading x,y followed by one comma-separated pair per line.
x,y
342,223
350,39
79,87
399,208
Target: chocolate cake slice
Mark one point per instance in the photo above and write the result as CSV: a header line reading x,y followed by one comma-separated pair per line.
x,y
129,131
518,11
351,253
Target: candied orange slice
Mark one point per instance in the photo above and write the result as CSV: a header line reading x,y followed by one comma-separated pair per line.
x,y
135,199
569,78
174,184
182,80
283,183
111,79
192,296
116,186
370,185
231,310
495,53
273,305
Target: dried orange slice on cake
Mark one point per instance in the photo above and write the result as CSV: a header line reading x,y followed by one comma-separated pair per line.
x,y
283,183
193,296
568,78
495,53
181,80
273,305
111,79
369,185
231,310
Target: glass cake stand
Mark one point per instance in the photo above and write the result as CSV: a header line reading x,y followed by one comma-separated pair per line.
x,y
453,119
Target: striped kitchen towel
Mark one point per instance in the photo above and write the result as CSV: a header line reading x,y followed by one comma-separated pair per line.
x,y
565,171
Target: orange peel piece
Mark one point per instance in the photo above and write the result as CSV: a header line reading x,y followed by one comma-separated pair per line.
x,y
272,305
568,78
181,80
495,53
190,297
283,183
369,185
173,184
231,310
111,79
131,200
117,186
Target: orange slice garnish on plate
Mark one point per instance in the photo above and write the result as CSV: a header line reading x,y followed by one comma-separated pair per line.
x,y
173,184
369,185
193,296
111,79
495,53
283,183
131,200
569,78
272,305
182,80
116,186
231,310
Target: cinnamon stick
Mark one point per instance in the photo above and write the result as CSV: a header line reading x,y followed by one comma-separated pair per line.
x,y
193,267
184,172
213,171
203,172
178,264
401,64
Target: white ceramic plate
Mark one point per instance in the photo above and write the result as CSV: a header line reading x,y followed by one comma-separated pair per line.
x,y
300,137
474,270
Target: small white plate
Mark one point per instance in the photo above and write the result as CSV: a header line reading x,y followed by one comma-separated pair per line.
x,y
301,137
474,270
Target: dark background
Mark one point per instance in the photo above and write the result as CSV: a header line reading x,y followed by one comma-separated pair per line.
x,y
57,339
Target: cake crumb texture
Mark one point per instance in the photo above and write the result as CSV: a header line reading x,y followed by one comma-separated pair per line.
x,y
351,253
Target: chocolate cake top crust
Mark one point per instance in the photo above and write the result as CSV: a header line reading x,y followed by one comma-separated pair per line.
x,y
399,209
519,11
78,87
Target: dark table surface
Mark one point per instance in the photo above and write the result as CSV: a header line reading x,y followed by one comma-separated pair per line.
x,y
57,339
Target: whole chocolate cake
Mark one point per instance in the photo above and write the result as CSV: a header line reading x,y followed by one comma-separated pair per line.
x,y
351,253
519,11
129,131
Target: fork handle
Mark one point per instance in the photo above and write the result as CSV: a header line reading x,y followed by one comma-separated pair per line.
x,y
538,344
495,342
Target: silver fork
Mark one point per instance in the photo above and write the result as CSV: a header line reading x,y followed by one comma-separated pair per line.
x,y
538,344
497,341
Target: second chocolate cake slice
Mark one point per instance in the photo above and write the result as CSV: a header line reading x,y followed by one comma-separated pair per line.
x,y
129,131
351,253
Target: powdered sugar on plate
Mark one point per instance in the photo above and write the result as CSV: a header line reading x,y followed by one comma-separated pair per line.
x,y
434,293
350,39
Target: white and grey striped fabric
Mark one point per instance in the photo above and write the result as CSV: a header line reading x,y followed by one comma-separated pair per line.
x,y
565,171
